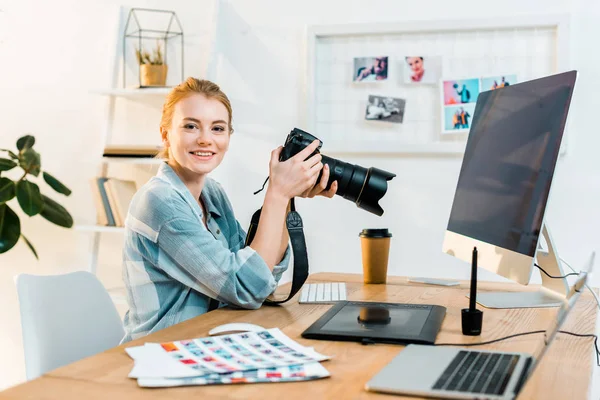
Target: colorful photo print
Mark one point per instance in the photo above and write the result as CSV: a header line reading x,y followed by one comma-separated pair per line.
x,y
388,109
497,82
422,69
458,118
370,69
265,335
286,349
169,346
461,91
189,344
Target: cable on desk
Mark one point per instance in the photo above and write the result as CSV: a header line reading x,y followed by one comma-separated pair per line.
x,y
490,341
584,335
555,277
586,285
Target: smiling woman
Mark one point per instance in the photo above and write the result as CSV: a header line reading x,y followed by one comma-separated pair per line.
x,y
185,252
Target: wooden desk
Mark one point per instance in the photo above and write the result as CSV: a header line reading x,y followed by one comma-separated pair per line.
x,y
564,373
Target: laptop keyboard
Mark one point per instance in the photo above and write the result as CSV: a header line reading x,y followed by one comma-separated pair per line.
x,y
478,372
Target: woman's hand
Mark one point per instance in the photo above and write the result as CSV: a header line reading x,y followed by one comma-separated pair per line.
x,y
321,188
295,176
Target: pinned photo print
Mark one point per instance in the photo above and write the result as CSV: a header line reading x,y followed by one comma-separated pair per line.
x,y
457,119
497,82
370,69
422,69
388,109
460,91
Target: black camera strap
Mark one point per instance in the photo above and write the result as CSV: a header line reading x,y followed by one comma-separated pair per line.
x,y
293,223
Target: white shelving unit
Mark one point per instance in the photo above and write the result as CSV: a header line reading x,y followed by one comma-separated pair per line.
x,y
99,228
133,92
95,231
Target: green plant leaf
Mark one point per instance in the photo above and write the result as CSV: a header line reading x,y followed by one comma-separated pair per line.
x,y
56,213
30,161
6,164
10,228
7,190
56,184
11,154
25,142
29,197
28,243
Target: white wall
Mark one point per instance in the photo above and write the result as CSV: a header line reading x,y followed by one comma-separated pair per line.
x,y
52,54
260,64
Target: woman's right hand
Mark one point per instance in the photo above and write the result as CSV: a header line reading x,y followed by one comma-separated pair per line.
x,y
293,177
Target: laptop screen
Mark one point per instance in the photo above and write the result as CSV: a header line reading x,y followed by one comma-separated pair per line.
x,y
563,312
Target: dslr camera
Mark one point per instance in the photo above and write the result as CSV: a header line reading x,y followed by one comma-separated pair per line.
x,y
365,187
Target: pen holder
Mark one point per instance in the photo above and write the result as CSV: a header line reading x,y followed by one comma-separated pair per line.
x,y
472,320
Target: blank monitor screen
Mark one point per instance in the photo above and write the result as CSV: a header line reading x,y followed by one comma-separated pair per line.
x,y
509,162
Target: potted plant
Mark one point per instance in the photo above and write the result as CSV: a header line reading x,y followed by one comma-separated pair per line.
x,y
28,195
153,70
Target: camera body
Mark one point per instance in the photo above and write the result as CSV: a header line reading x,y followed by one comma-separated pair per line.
x,y
363,186
295,142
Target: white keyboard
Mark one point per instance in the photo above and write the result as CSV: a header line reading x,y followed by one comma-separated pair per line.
x,y
323,293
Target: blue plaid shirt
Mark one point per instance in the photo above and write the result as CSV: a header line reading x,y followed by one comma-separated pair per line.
x,y
173,264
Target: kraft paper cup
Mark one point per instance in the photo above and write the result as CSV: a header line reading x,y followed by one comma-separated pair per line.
x,y
375,246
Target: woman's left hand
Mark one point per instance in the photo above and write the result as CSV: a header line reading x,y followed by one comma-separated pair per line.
x,y
320,189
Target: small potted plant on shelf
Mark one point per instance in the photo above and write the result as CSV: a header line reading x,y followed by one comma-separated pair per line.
x,y
153,70
28,195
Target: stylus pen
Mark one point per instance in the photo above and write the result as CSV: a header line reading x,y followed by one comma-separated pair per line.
x,y
472,297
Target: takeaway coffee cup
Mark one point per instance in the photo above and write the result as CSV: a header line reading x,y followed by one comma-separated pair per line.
x,y
375,245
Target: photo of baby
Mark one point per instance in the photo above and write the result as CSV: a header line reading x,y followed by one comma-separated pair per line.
x,y
389,109
460,91
370,69
497,82
422,70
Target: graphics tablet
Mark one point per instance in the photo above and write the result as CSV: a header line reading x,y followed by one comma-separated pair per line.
x,y
370,322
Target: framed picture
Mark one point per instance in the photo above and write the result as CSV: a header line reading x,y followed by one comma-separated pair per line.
x,y
422,70
370,69
458,103
387,109
458,118
460,91
496,82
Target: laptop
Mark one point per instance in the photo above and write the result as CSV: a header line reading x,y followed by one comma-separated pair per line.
x,y
458,373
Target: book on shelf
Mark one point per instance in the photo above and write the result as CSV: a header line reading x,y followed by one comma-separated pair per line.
x,y
139,151
104,215
112,197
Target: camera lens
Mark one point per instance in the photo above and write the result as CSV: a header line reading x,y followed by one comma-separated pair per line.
x,y
365,187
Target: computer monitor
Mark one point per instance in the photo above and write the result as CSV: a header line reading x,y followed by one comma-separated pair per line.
x,y
504,186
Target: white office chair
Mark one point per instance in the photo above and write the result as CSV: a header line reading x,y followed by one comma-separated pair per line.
x,y
65,318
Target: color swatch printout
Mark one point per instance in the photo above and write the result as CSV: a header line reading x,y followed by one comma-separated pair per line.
x,y
226,354
293,373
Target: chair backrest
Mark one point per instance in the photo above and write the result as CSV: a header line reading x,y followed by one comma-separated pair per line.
x,y
65,318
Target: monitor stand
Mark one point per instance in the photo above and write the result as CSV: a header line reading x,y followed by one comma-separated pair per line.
x,y
552,293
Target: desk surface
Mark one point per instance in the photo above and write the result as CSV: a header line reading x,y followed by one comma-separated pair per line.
x,y
565,372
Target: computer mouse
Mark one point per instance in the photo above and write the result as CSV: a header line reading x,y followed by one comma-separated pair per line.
x,y
235,327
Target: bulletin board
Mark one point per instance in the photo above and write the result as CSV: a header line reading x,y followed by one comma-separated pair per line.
x,y
530,47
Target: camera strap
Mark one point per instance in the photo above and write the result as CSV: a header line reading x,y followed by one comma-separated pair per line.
x,y
294,226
